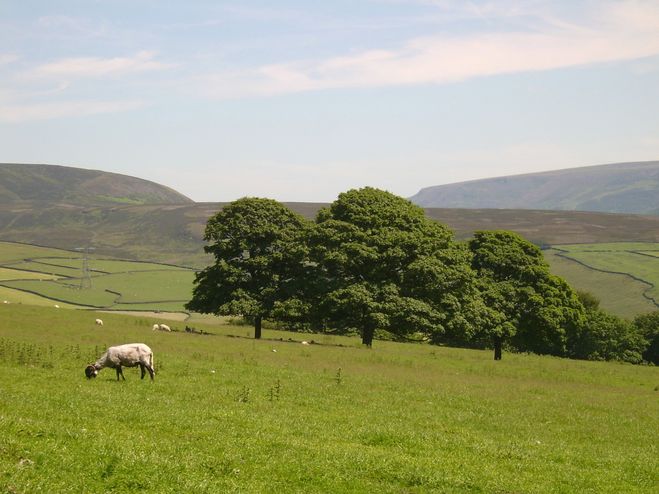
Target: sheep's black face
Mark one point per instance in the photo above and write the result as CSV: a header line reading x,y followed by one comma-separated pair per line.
x,y
90,371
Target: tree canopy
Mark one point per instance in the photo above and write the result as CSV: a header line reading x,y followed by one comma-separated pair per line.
x,y
531,308
380,263
258,249
374,262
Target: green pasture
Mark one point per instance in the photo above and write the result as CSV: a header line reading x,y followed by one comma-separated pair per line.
x,y
11,251
147,288
631,261
108,265
20,297
17,274
618,293
48,268
119,284
612,247
231,414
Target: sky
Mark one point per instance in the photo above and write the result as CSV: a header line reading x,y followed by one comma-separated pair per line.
x,y
300,100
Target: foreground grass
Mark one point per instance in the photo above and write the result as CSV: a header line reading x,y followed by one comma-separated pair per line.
x,y
229,414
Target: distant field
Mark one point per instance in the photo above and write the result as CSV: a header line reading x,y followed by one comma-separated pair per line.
x,y
119,284
624,276
618,294
11,251
231,414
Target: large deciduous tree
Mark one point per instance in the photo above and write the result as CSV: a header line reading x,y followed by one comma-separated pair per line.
x,y
647,325
380,263
259,250
530,308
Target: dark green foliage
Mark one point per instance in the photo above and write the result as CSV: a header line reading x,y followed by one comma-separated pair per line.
x,y
528,305
647,325
380,263
258,250
607,337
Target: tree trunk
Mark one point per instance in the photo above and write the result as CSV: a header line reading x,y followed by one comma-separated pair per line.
x,y
257,327
367,337
498,343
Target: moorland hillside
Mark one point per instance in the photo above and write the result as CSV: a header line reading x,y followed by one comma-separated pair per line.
x,y
615,188
128,217
52,185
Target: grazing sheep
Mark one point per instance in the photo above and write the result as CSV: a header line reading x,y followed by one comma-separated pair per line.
x,y
161,327
56,306
129,355
155,327
99,322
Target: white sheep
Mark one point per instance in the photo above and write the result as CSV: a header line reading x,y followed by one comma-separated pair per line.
x,y
128,355
99,322
161,327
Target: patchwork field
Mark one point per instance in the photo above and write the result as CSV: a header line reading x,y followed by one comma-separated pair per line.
x,y
231,414
624,275
58,276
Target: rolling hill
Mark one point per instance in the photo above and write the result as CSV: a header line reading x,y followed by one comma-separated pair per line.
x,y
615,188
172,232
65,185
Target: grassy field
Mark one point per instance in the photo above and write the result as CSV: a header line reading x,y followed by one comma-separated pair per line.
x,y
618,293
615,272
230,414
55,274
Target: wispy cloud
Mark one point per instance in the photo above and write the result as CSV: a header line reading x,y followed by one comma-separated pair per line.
x,y
614,32
16,113
7,58
100,67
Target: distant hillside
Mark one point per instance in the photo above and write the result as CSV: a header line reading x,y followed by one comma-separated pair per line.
x,y
174,233
616,188
59,185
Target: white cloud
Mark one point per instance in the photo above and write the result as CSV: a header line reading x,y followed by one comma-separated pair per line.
x,y
15,113
614,32
100,67
7,58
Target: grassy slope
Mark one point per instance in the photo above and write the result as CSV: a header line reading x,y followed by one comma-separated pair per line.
x,y
618,294
633,259
231,415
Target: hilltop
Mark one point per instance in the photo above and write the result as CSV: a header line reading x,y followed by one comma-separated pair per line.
x,y
614,188
53,185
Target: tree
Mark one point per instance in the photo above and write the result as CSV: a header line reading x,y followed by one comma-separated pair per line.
x,y
380,263
607,337
647,325
259,251
529,307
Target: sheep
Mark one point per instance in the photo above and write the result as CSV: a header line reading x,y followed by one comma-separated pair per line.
x,y
161,327
99,322
128,355
155,327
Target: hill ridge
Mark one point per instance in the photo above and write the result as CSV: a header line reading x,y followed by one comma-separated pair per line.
x,y
630,187
59,184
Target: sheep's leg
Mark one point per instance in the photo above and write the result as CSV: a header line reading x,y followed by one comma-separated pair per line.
x,y
120,373
151,371
142,371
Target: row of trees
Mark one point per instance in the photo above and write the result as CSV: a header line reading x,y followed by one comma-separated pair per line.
x,y
373,262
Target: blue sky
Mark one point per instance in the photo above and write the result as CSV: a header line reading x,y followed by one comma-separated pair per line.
x,y
301,100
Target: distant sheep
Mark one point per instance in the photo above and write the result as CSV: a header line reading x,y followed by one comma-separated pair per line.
x,y
56,306
161,327
129,355
99,322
